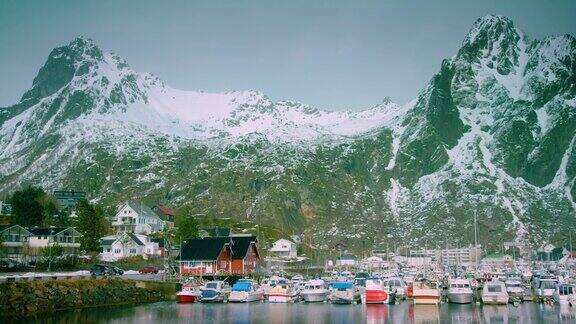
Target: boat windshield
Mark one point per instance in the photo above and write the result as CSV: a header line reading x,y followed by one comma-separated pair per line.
x,y
514,285
212,285
494,288
547,285
459,285
342,285
566,290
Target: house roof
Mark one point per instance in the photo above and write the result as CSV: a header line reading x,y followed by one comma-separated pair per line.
x,y
135,238
5,227
346,257
141,209
160,242
240,246
106,242
45,231
207,248
166,210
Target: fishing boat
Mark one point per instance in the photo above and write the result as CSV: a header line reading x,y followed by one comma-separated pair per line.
x,y
565,294
284,292
397,285
214,291
344,292
376,293
494,293
189,293
515,290
426,292
315,291
460,291
546,287
245,290
269,283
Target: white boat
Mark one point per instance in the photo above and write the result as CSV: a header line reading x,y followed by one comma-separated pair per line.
x,y
283,292
315,291
214,291
189,293
269,283
494,293
344,292
565,294
515,290
546,287
396,284
245,290
460,291
426,292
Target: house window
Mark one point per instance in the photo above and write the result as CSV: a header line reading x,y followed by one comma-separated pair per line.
x,y
107,250
117,251
132,251
39,237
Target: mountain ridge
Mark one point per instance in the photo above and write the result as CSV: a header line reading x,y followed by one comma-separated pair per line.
x,y
492,133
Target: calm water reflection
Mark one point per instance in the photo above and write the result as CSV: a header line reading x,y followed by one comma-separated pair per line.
x,y
405,312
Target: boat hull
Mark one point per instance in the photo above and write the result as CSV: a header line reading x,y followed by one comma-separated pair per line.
x,y
243,297
280,298
376,297
426,299
495,300
460,298
187,298
347,298
315,297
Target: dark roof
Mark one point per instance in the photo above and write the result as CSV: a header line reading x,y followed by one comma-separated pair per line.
x,y
106,242
240,246
160,242
45,231
135,238
3,227
218,231
207,248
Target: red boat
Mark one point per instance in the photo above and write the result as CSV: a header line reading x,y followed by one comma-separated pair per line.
x,y
188,294
375,292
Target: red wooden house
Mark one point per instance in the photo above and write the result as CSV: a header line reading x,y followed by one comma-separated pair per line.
x,y
214,255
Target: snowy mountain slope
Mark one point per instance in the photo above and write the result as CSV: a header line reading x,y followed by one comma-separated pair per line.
x,y
493,133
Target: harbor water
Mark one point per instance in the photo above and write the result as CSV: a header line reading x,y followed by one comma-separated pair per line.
x,y
261,312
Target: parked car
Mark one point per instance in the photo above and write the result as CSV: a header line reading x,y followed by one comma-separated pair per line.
x,y
149,269
117,270
101,270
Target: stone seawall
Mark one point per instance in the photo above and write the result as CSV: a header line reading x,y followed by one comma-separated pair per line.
x,y
39,296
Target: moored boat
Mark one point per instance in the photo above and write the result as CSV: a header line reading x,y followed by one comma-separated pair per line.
x,y
426,292
344,292
315,291
397,285
494,293
515,290
188,294
214,291
565,294
376,293
245,290
460,291
283,292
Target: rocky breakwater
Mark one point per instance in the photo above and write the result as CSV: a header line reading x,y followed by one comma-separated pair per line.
x,y
27,298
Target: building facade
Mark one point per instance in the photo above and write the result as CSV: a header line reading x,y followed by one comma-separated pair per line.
x,y
135,217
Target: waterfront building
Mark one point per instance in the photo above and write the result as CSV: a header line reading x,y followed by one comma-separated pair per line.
x,y
374,263
135,217
123,245
66,237
284,249
346,261
215,255
497,261
14,240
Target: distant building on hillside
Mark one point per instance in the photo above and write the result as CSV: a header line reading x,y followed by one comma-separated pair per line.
x,y
166,214
66,237
284,248
135,217
5,209
68,199
128,244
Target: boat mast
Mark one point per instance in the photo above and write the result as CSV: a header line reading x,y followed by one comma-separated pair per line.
x,y
476,239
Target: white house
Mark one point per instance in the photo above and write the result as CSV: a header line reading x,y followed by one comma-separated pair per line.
x,y
135,217
14,239
374,263
128,244
66,237
284,249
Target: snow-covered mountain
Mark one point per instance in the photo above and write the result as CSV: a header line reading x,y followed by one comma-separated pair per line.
x,y
492,133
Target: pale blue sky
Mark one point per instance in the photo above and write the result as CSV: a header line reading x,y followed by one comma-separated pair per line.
x,y
330,54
